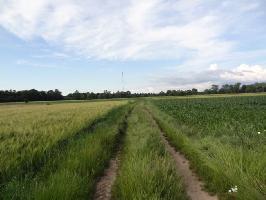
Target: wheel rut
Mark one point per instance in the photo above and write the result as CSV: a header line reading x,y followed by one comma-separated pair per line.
x,y
104,185
193,186
103,190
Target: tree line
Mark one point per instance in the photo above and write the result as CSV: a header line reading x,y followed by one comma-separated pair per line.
x,y
236,88
30,95
52,95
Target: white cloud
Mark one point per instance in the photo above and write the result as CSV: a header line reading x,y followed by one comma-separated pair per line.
x,y
200,35
155,88
57,55
245,73
204,79
213,67
132,29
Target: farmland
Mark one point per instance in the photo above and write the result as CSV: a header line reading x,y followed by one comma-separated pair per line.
x,y
147,171
33,135
224,138
61,150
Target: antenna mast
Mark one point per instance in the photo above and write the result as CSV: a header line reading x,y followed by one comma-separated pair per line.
x,y
122,81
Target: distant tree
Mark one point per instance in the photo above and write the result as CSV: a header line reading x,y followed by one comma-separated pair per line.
x,y
29,95
77,95
35,95
214,89
243,89
162,93
251,88
225,88
236,87
58,94
194,91
168,92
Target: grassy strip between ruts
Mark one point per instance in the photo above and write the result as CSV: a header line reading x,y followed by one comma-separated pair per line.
x,y
218,176
73,172
146,171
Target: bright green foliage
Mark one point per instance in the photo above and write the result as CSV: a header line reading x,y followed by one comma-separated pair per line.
x,y
35,138
147,170
85,159
223,137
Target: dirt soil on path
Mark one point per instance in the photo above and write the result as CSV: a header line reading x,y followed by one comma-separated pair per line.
x,y
190,179
192,183
104,185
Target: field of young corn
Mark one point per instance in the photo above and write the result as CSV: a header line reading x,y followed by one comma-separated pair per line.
x,y
224,138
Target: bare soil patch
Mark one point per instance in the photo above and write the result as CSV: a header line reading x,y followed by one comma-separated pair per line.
x,y
104,185
194,187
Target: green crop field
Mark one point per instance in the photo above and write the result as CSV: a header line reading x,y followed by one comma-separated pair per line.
x,y
133,99
32,135
62,150
224,138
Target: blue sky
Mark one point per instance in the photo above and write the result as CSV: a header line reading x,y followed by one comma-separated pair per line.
x,y
158,44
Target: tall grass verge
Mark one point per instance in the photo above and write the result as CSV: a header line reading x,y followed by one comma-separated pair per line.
x,y
147,171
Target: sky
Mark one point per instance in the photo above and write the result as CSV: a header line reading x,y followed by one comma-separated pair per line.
x,y
85,45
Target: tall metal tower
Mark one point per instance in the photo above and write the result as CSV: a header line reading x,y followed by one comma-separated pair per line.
x,y
122,82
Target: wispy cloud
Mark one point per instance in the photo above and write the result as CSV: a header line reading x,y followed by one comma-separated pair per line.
x,y
245,73
204,79
29,63
58,55
193,34
136,29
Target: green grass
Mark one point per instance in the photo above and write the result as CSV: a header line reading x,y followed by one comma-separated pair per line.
x,y
220,137
72,172
32,135
58,151
146,171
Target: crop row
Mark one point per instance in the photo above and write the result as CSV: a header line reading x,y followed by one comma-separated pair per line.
x,y
223,137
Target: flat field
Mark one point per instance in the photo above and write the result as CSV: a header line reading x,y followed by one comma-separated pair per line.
x,y
32,134
147,148
224,138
